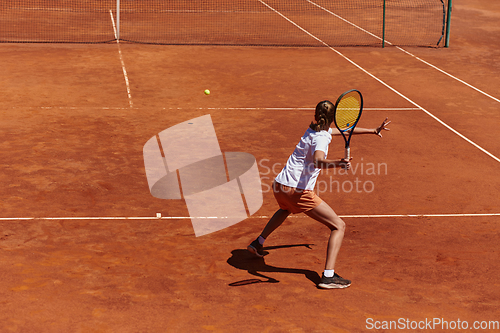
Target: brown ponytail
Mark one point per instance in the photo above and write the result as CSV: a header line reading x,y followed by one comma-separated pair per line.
x,y
323,116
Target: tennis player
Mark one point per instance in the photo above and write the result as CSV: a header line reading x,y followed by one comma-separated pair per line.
x,y
294,188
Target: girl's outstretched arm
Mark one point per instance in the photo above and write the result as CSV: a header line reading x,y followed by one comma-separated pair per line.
x,y
377,130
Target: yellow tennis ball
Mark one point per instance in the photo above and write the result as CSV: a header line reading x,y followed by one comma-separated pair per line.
x,y
207,92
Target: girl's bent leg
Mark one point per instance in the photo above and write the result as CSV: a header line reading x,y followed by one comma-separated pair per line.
x,y
275,222
256,247
325,214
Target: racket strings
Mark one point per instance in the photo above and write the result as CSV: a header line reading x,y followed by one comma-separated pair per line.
x,y
348,111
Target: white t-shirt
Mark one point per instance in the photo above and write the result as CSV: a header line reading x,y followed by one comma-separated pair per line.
x,y
299,171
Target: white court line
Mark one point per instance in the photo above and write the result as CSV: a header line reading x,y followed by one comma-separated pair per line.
x,y
121,60
301,109
420,215
202,108
159,217
385,84
410,54
446,73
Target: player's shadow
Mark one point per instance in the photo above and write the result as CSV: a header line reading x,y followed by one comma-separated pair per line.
x,y
243,259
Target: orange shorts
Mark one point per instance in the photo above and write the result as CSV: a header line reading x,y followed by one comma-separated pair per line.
x,y
295,200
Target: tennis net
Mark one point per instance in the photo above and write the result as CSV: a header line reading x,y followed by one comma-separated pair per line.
x,y
225,22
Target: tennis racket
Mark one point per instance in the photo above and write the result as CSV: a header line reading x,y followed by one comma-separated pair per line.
x,y
346,116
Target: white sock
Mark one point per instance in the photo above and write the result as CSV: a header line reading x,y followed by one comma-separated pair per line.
x,y
329,272
261,240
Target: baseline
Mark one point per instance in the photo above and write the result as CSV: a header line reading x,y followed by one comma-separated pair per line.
x,y
159,217
202,108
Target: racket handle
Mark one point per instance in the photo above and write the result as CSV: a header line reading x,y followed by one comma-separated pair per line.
x,y
348,153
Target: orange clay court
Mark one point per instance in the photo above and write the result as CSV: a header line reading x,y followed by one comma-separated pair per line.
x,y
82,248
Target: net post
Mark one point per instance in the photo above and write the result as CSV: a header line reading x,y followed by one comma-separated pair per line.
x,y
117,20
383,26
448,19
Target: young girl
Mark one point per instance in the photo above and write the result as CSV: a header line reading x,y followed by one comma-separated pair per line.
x,y
294,188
